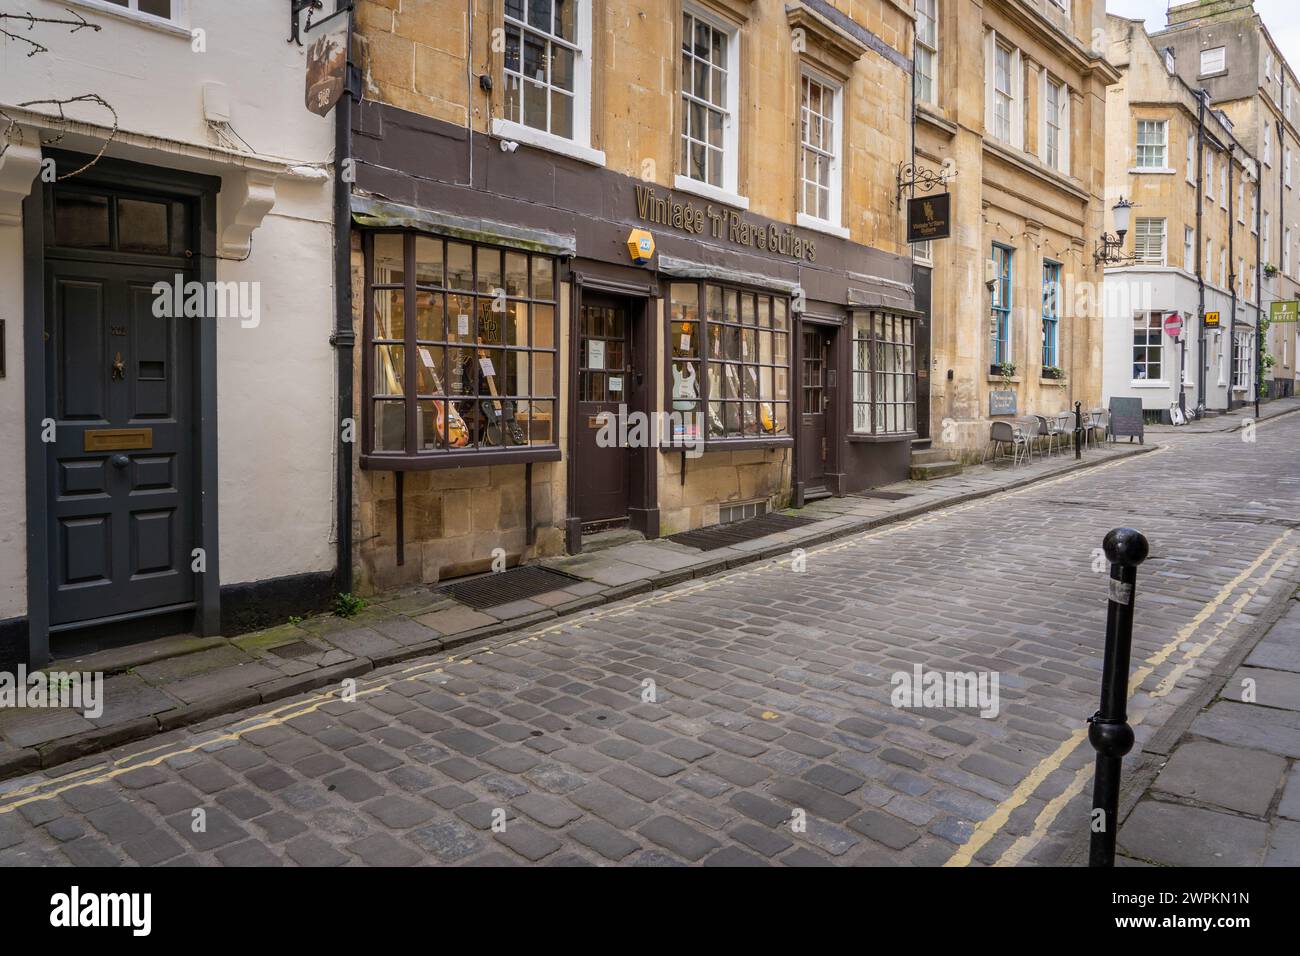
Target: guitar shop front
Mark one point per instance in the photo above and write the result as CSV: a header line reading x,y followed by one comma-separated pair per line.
x,y
610,463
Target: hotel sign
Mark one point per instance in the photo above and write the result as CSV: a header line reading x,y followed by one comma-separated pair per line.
x,y
718,222
928,218
1283,311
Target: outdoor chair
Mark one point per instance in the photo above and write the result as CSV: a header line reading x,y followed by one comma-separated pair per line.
x,y
1051,431
1008,434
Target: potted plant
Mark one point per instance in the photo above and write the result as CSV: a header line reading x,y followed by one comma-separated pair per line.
x,y
1054,372
1270,270
1008,372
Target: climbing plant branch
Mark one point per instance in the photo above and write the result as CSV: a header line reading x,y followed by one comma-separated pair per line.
x,y
77,23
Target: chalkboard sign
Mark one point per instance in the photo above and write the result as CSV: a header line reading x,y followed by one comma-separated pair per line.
x,y
1126,419
1002,403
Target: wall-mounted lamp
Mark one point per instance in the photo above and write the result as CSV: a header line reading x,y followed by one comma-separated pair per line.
x,y
1110,249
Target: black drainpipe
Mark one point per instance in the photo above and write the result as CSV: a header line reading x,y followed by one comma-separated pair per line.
x,y
1232,263
1201,265
343,338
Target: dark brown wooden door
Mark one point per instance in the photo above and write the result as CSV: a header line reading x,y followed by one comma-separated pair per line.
x,y
813,437
604,385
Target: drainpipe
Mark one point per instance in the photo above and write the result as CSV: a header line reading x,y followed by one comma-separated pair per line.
x,y
343,338
1259,261
1232,262
1201,265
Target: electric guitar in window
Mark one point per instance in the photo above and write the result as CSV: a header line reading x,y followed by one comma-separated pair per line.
x,y
495,413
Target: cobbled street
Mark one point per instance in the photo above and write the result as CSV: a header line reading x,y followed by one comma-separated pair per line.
x,y
771,737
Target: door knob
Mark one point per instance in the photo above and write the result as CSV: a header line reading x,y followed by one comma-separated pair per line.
x,y
120,461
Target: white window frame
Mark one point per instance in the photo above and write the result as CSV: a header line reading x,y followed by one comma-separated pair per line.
x,y
1223,185
1154,340
1207,266
1015,133
1191,159
1061,162
1241,198
1254,209
1209,173
1221,59
1287,166
1268,234
178,23
927,50
1286,251
1241,367
1189,249
1268,145
579,146
1268,65
1162,141
728,192
1142,253
833,222
1223,268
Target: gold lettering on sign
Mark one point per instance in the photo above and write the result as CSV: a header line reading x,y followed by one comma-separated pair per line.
x,y
117,439
723,224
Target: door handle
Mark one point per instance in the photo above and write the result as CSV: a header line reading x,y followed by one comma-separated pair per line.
x,y
119,367
120,461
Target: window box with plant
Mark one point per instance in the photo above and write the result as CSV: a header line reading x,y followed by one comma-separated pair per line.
x,y
1054,373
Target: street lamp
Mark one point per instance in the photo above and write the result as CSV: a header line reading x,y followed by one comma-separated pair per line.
x,y
1110,249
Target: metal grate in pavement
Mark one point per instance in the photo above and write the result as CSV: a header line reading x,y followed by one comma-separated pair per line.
x,y
883,495
721,535
490,590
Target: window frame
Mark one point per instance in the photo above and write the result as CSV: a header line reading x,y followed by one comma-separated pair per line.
x,y
875,345
729,189
701,359
1061,141
178,22
1053,279
1191,159
1138,258
412,457
578,145
835,187
1153,333
1189,249
1223,61
1242,354
1163,144
1002,305
928,51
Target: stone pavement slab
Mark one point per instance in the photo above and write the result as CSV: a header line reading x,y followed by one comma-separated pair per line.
x,y
1228,777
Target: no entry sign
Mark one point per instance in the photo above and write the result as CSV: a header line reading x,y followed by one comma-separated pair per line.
x,y
1174,324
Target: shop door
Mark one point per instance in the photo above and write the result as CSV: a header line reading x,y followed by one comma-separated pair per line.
x,y
118,391
814,444
604,384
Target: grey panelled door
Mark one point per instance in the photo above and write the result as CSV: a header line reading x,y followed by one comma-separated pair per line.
x,y
120,468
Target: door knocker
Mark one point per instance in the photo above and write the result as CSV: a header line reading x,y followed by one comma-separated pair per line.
x,y
119,367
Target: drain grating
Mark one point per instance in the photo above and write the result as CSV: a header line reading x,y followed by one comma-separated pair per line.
x,y
490,590
883,495
295,649
721,535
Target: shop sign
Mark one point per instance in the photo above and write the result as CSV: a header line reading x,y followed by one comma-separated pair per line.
x,y
1284,311
725,225
1211,320
1002,403
327,67
928,218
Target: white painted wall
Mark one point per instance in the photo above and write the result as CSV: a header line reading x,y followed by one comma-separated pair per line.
x,y
1167,289
275,382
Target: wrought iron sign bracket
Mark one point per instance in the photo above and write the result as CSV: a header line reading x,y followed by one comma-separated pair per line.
x,y
296,7
913,176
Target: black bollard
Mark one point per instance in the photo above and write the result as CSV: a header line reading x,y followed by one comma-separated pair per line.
x,y
1108,729
1078,430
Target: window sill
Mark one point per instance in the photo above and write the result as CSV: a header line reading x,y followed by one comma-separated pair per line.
x,y
517,132
172,27
804,221
725,196
1154,170
856,438
1058,382
459,459
1148,383
997,379
732,444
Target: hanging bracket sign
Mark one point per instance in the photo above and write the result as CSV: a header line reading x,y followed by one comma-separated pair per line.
x,y
327,61
928,217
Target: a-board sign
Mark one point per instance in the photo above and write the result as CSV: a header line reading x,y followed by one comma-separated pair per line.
x,y
1126,419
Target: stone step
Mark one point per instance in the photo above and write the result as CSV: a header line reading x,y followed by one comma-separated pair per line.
x,y
934,469
928,456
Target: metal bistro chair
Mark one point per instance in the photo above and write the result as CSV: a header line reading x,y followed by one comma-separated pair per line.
x,y
1032,431
1051,431
1006,433
1099,421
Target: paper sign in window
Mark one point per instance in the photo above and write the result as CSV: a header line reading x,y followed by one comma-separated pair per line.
x,y
595,354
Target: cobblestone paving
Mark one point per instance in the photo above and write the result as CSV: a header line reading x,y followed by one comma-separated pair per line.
x,y
771,696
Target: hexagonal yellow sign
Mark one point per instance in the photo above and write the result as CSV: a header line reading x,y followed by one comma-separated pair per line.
x,y
640,246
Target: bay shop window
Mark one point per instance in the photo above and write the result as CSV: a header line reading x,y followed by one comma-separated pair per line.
x,y
729,365
884,374
460,353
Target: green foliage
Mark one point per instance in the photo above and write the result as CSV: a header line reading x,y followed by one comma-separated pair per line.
x,y
348,605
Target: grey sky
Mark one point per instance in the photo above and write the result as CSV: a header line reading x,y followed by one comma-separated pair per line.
x,y
1282,17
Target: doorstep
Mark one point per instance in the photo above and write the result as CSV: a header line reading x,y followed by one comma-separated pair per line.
x,y
160,685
